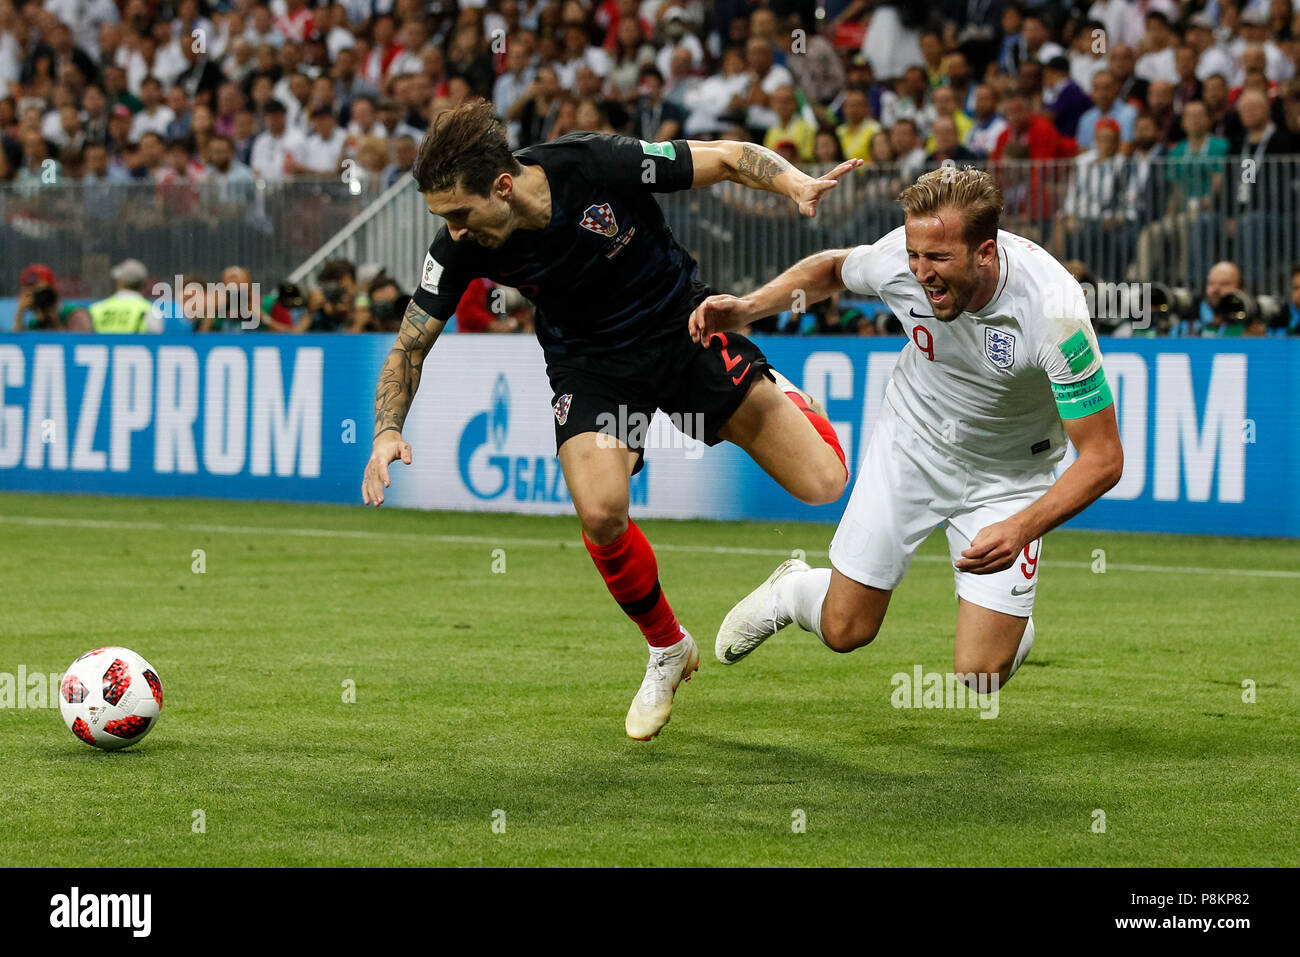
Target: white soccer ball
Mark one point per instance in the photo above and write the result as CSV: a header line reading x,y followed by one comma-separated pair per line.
x,y
110,698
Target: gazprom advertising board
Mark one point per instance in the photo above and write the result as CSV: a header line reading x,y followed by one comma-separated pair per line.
x,y
1211,429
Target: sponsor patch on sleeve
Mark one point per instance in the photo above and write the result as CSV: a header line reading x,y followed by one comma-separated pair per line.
x,y
666,150
1074,400
430,275
1078,352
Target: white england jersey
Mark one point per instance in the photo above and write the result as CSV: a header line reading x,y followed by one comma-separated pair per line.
x,y
991,386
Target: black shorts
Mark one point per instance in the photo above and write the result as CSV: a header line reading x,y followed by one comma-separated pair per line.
x,y
616,393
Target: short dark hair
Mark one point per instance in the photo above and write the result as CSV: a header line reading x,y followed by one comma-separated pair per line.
x,y
383,281
466,148
336,269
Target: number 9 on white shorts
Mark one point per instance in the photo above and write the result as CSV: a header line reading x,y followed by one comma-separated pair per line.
x,y
905,489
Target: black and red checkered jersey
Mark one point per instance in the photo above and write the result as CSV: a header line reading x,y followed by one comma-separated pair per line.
x,y
606,270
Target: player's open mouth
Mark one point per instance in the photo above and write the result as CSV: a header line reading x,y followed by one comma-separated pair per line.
x,y
936,296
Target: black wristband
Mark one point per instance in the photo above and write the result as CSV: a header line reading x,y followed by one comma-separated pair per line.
x,y
391,428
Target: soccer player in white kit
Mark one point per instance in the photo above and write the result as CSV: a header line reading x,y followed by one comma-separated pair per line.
x,y
1002,366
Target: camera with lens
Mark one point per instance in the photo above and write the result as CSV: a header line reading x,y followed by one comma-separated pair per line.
x,y
1169,305
290,296
387,311
334,293
44,298
1236,308
1273,312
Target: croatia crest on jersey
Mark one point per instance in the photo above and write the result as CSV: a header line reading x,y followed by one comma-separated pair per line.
x,y
1000,347
599,218
561,408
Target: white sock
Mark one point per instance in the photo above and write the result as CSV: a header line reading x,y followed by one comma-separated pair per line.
x,y
799,596
675,647
1026,643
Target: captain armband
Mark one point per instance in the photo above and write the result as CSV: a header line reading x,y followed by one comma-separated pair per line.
x,y
1074,400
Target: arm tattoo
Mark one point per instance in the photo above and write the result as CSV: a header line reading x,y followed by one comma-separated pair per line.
x,y
759,166
400,376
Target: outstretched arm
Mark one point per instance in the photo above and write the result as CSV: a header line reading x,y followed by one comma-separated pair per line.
x,y
806,282
397,385
758,167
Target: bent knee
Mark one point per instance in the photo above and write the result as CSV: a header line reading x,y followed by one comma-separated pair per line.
x,y
847,636
982,673
825,482
602,524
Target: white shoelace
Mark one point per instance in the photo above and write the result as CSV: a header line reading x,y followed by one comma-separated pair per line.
x,y
658,658
658,682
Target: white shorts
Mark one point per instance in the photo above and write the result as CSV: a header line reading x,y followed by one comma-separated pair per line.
x,y
905,489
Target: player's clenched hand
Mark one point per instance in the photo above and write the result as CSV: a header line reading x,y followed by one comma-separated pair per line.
x,y
994,549
389,447
717,314
812,191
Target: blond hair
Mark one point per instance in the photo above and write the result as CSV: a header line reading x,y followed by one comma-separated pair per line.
x,y
972,191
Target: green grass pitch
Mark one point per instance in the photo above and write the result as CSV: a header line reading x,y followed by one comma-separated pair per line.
x,y
480,692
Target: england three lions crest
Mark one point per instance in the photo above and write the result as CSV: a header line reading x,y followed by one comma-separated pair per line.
x,y
1000,347
599,218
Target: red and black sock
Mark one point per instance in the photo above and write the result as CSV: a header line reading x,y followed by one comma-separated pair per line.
x,y
822,425
632,575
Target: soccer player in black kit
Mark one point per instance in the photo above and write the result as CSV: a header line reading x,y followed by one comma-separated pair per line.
x,y
573,225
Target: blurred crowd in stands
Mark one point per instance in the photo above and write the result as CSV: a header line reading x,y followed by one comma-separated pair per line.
x,y
346,298
184,91
365,298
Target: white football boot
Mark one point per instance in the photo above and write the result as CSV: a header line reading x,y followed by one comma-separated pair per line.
x,y
754,619
786,385
653,705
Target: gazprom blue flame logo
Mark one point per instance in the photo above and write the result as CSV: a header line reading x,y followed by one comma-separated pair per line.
x,y
496,421
488,469
500,411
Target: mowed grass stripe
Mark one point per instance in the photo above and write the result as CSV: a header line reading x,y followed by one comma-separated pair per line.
x,y
478,691
428,538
